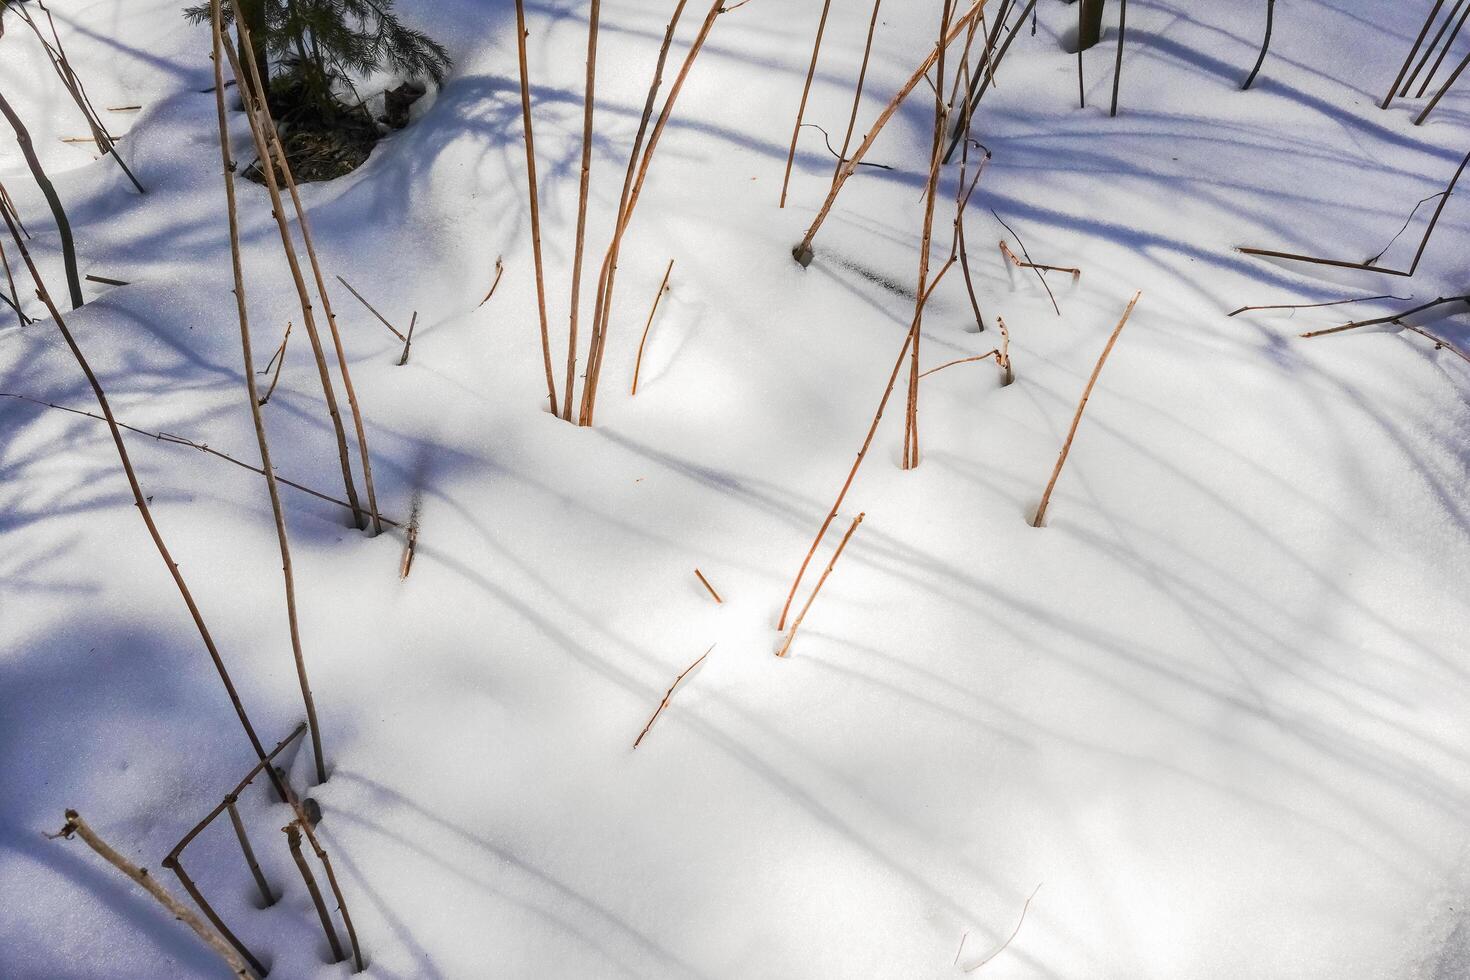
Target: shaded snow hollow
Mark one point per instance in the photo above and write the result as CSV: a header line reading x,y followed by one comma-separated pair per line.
x,y
1215,710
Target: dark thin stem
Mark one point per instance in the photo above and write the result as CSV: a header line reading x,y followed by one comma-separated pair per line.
x,y
805,92
1118,64
293,839
1449,84
1389,318
1409,60
1265,45
63,225
213,917
265,889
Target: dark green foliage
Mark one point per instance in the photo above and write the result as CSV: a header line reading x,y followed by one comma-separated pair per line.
x,y
316,48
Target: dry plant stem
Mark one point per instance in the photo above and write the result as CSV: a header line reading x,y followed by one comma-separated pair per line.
x,y
1005,353
1444,197
279,360
705,582
1081,95
139,499
284,168
1429,52
1449,84
987,356
989,78
956,28
857,95
382,319
668,694
851,475
610,260
63,225
594,367
321,855
662,288
1014,932
796,624
265,889
805,91
1434,70
1387,319
1019,263
962,124
283,790
1039,274
260,135
911,414
1265,46
73,85
214,918
277,511
105,281
1118,63
1438,341
1313,306
181,441
534,198
1040,517
1418,42
411,540
7,203
76,825
293,840
408,341
588,104
499,271
14,299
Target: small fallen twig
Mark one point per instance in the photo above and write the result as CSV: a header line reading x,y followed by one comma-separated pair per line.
x,y
662,288
105,281
499,271
1024,264
1002,947
796,623
668,694
1077,418
705,582
988,355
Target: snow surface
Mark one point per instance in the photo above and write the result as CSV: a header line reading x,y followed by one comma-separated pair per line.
x,y
1215,710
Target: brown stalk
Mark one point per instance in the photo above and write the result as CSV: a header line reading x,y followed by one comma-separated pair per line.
x,y
63,225
803,251
408,341
1439,342
7,203
705,582
1037,269
610,260
1123,30
990,355
279,360
993,65
1429,53
139,499
1418,42
1448,84
1040,517
1387,319
284,167
1459,26
140,876
1081,95
958,244
1005,352
535,200
277,511
796,624
911,413
411,540
805,91
373,310
1002,947
857,95
260,135
293,840
595,360
14,299
668,694
499,271
321,855
181,441
588,103
214,917
663,288
249,852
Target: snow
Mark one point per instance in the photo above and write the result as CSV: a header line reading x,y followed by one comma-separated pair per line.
x,y
1214,709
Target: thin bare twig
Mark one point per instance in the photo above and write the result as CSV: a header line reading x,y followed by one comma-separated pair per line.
x,y
662,288
668,694
796,623
705,582
1014,932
